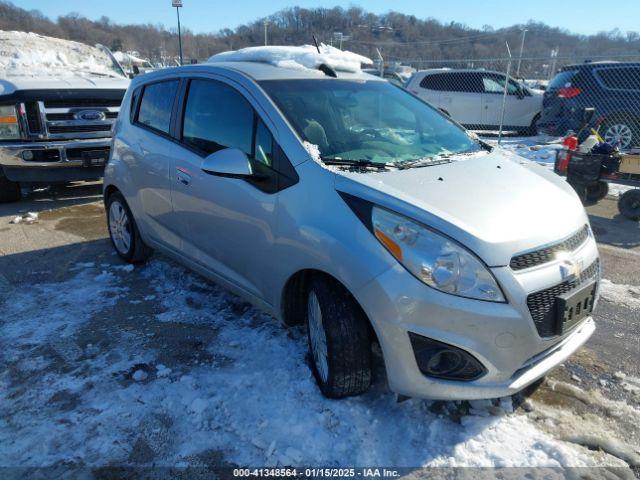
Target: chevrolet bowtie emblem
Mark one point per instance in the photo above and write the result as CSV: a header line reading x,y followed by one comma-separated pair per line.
x,y
570,267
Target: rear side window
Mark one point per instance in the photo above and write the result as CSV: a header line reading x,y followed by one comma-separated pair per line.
x,y
562,80
624,78
468,82
156,105
216,117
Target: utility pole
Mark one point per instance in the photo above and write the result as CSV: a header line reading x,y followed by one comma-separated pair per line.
x,y
178,5
524,33
266,22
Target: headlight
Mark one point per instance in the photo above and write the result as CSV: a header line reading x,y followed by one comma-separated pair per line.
x,y
434,259
9,129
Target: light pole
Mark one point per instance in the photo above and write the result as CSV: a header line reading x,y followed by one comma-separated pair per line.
x,y
266,22
524,33
178,5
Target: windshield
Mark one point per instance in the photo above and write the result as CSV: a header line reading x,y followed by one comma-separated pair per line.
x,y
32,55
369,121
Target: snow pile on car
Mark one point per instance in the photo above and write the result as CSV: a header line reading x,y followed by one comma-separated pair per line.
x,y
33,55
300,58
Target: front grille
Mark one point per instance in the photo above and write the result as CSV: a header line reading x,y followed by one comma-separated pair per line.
x,y
78,128
56,117
33,117
542,303
82,102
547,254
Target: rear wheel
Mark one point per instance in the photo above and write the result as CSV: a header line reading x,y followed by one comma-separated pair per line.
x,y
621,132
9,191
339,342
629,204
123,231
532,131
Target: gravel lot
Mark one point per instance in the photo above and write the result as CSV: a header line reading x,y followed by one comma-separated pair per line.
x,y
104,364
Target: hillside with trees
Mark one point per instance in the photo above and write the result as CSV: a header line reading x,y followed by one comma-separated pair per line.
x,y
397,36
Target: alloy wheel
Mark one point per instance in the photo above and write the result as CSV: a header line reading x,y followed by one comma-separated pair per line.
x,y
619,135
120,227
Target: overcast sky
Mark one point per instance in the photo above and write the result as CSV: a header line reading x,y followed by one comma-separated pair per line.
x,y
584,16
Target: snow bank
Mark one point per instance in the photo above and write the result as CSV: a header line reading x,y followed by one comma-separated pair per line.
x,y
33,55
304,57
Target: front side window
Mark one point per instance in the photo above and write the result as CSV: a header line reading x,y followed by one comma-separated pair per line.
x,y
495,84
156,105
215,117
372,121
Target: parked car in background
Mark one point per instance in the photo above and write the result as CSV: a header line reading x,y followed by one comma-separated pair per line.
x,y
612,88
56,113
474,98
347,204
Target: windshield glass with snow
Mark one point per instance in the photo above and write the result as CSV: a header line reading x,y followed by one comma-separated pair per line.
x,y
369,121
32,55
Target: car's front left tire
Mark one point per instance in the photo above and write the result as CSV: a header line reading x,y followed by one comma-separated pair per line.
x,y
339,340
123,231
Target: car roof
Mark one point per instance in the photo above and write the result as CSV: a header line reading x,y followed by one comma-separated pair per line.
x,y
589,65
259,71
457,70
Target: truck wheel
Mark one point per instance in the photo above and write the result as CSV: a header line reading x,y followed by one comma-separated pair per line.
x,y
629,204
123,231
339,341
9,191
597,191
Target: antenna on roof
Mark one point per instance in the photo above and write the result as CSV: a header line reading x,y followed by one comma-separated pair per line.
x,y
315,41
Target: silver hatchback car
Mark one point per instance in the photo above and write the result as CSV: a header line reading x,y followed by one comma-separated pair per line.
x,y
340,201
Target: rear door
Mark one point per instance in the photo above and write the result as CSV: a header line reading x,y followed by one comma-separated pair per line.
x,y
461,97
150,160
231,220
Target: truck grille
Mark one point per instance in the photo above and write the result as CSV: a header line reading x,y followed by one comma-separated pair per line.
x,y
542,303
547,254
74,118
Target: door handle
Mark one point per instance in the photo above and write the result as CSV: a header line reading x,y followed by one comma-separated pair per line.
x,y
183,176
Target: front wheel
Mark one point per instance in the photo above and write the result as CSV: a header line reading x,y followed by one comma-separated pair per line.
x,y
9,191
339,341
629,204
123,231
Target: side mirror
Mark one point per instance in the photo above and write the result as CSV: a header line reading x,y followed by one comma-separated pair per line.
x,y
229,162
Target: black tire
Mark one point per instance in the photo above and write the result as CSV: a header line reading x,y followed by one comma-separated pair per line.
x,y
629,204
619,123
348,342
136,251
597,191
9,191
532,131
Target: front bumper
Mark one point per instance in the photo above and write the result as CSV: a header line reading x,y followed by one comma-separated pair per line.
x,y
51,161
502,336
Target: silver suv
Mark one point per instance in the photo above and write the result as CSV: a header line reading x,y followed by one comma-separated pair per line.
x,y
339,201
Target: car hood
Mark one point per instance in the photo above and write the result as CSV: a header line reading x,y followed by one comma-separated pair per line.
x,y
11,84
496,204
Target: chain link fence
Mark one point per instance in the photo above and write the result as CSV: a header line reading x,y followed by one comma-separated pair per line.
x,y
536,95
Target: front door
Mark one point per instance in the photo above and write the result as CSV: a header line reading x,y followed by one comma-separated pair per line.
x,y
231,220
517,111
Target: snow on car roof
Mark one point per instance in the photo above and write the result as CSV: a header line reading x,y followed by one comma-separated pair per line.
x,y
305,57
32,55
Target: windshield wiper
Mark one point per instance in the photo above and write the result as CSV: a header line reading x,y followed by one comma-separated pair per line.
x,y
439,159
362,163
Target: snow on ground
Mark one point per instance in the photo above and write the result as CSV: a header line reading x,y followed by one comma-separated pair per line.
x,y
304,57
33,55
627,295
543,151
198,370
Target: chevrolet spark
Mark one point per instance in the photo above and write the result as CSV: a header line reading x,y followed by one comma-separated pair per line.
x,y
338,201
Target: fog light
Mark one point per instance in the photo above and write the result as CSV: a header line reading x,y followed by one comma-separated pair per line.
x,y
440,360
27,155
